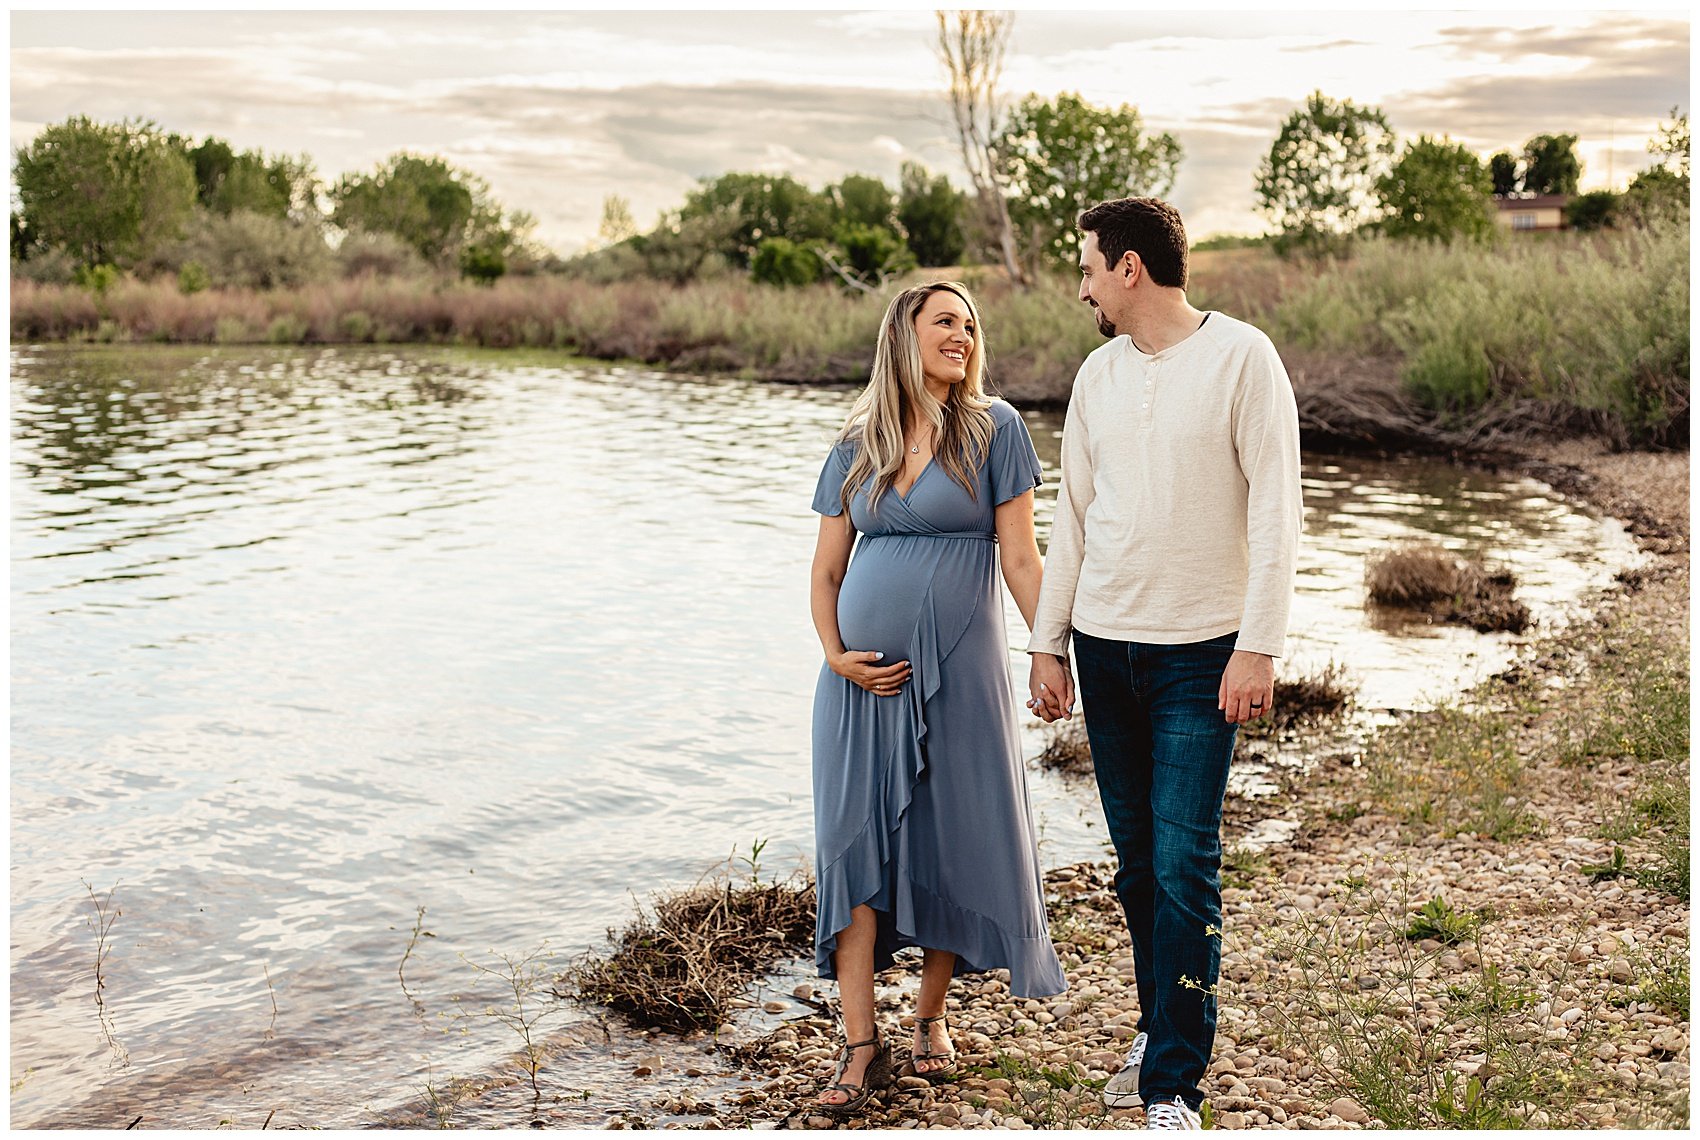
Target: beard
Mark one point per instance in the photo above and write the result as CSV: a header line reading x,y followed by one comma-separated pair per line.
x,y
1106,327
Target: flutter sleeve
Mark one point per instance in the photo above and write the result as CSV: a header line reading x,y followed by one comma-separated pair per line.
x,y
830,486
1014,465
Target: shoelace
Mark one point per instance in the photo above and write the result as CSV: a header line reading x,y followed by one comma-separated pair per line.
x,y
1136,1055
1168,1115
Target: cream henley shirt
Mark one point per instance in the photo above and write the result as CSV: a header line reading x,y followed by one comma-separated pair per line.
x,y
1180,509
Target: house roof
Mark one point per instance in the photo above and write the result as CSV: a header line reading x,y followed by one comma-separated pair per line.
x,y
1538,202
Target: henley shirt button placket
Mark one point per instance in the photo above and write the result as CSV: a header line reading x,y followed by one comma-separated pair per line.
x,y
1145,405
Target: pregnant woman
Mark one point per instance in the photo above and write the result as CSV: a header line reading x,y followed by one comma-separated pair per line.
x,y
923,833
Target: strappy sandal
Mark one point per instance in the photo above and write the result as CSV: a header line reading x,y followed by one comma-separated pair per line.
x,y
877,1076
943,1072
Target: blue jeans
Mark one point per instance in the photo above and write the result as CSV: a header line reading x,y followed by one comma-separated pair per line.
x,y
1161,751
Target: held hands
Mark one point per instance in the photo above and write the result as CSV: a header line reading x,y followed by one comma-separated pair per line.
x,y
1248,687
857,666
1051,687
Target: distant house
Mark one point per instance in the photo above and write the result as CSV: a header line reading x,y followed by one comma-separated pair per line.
x,y
1542,212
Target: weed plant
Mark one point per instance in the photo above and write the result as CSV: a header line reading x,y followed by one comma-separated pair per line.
x,y
1386,1024
1429,577
1453,770
1636,713
1047,1096
684,967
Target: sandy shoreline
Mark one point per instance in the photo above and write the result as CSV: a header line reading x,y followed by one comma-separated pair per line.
x,y
1560,971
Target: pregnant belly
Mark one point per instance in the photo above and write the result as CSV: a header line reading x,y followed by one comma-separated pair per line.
x,y
877,606
888,584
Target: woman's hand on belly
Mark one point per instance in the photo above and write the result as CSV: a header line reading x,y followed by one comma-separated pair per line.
x,y
861,667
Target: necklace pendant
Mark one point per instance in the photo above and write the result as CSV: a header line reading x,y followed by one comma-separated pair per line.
x,y
916,450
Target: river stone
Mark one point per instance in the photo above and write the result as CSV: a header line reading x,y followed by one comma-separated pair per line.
x,y
913,1083
1233,1120
1348,1110
1669,1040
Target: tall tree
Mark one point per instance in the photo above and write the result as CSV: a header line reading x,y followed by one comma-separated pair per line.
x,y
971,48
1437,191
1317,183
1502,167
930,210
1662,190
424,201
863,200
1550,165
1061,156
617,222
1670,143
759,206
227,181
106,193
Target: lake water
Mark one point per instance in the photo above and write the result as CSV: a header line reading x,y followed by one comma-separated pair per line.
x,y
305,640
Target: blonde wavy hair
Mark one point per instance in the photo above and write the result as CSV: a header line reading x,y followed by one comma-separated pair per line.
x,y
896,384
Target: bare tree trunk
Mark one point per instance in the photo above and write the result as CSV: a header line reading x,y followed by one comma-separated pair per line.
x,y
971,46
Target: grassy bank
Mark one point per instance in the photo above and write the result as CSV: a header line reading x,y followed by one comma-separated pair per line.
x,y
1448,344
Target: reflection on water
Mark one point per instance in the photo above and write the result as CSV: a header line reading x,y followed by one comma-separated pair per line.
x,y
306,640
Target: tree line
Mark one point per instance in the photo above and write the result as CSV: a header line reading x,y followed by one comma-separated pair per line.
x,y
94,199
1335,171
98,198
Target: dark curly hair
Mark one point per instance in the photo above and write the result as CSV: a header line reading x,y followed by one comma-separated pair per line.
x,y
1149,227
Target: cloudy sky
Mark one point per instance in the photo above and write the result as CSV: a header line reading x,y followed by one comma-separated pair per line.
x,y
557,109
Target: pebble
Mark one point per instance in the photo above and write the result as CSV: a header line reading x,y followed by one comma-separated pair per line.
x,y
1670,1040
1348,1110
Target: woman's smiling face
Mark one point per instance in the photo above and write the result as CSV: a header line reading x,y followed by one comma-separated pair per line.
x,y
945,330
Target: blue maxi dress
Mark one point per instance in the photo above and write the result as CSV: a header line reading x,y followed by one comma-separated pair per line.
x,y
921,808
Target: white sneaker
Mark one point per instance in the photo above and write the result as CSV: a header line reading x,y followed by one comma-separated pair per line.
x,y
1122,1090
1173,1115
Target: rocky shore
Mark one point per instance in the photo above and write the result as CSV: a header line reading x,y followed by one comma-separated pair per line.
x,y
1479,967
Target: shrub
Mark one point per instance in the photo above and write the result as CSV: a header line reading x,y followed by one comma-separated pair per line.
x,y
232,330
287,329
683,968
1427,576
1592,211
378,255
46,267
482,264
356,326
781,261
98,279
192,278
255,251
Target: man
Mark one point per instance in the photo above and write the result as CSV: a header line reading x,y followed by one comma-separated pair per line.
x,y
1171,559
